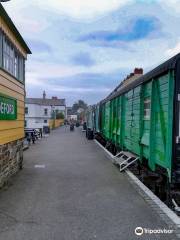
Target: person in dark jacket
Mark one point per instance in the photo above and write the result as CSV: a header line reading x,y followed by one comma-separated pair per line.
x,y
28,137
72,126
84,126
33,137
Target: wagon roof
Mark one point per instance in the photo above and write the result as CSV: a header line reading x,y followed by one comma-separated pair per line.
x,y
162,68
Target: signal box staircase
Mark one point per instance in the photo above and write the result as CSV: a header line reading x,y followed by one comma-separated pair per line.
x,y
124,160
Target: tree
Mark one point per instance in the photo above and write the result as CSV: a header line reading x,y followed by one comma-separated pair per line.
x,y
59,115
80,104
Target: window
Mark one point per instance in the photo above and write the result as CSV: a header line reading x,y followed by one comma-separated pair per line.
x,y
25,123
13,62
45,111
26,110
21,69
16,65
45,121
7,56
147,108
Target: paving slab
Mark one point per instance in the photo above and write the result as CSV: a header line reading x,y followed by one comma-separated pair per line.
x,y
69,190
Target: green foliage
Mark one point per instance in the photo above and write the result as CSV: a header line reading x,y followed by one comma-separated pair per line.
x,y
59,115
79,105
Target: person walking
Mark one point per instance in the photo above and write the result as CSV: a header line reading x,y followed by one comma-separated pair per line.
x,y
33,137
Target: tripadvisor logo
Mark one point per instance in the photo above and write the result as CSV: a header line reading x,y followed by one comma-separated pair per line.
x,y
140,231
6,108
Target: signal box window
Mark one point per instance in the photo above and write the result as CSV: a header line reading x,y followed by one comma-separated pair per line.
x,y
13,61
147,108
26,110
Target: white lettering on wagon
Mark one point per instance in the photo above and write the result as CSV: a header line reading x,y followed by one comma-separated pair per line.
x,y
6,108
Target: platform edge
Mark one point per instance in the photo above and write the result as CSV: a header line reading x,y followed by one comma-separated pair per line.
x,y
163,211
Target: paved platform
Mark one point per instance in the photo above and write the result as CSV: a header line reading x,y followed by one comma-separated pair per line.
x,y
69,190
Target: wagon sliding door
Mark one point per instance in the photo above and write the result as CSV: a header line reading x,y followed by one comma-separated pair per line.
x,y
132,120
114,120
120,121
157,135
107,129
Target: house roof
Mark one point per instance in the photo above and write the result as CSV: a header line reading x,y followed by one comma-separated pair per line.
x,y
46,101
70,111
13,28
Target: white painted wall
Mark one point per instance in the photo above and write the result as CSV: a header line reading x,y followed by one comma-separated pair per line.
x,y
36,115
72,117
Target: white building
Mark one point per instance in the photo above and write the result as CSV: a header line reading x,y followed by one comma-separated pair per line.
x,y
39,111
71,115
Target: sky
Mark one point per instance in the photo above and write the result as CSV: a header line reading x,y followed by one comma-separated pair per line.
x,y
84,49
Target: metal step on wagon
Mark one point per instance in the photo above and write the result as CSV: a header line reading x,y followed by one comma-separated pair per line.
x,y
124,159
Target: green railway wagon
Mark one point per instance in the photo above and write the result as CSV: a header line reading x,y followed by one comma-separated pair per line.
x,y
144,118
90,117
96,118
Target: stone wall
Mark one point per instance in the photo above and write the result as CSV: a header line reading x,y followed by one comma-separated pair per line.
x,y
11,158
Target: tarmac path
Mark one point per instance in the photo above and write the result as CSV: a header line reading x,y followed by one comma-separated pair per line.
x,y
69,190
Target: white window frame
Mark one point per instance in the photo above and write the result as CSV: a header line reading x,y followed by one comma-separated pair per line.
x,y
147,111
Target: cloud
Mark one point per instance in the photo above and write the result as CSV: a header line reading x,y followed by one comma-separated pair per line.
x,y
81,90
39,46
88,80
128,36
173,51
85,80
136,29
172,6
92,87
83,58
82,9
50,70
24,16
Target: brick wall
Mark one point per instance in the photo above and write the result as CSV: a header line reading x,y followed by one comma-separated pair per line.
x,y
11,157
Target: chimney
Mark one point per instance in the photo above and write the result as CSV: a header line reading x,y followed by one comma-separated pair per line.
x,y
138,71
44,95
54,98
131,75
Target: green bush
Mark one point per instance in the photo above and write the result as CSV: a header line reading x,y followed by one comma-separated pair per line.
x,y
60,116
